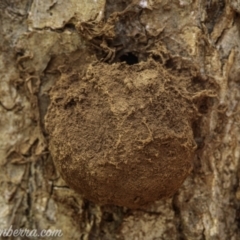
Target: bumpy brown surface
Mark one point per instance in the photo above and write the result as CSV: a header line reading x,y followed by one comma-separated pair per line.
x,y
122,135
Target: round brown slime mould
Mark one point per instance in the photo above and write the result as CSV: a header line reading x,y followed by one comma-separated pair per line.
x,y
123,134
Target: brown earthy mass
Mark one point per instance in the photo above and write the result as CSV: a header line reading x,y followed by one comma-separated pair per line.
x,y
123,133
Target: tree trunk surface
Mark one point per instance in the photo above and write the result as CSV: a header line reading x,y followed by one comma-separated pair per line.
x,y
42,40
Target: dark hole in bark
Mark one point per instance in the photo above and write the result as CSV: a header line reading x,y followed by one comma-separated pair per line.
x,y
70,26
129,58
108,217
170,64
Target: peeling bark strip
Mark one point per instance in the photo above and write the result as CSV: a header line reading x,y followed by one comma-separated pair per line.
x,y
41,46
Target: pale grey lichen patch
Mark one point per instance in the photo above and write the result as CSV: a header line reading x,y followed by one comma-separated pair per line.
x,y
55,14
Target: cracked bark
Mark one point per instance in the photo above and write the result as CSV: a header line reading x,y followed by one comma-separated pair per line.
x,y
39,39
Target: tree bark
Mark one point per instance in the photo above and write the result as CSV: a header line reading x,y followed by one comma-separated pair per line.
x,y
41,40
